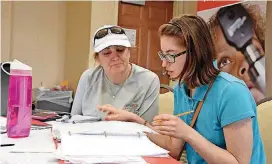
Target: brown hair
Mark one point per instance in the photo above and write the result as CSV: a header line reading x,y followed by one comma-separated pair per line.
x,y
255,15
193,32
95,55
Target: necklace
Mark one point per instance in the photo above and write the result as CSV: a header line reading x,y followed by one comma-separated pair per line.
x,y
114,94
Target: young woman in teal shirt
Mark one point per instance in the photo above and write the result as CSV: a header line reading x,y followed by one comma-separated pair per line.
x,y
226,129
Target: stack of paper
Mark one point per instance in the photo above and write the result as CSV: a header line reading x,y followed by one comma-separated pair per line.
x,y
100,159
95,142
85,145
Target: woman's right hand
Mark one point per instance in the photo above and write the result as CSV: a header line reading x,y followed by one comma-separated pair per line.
x,y
114,114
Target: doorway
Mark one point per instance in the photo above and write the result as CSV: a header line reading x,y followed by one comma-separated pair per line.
x,y
146,19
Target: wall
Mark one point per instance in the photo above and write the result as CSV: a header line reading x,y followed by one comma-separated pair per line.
x,y
99,18
5,31
77,40
34,32
83,19
53,37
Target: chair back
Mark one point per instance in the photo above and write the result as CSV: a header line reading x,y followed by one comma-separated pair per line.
x,y
166,100
264,116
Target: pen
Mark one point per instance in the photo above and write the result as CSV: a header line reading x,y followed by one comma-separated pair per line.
x,y
178,115
184,113
3,145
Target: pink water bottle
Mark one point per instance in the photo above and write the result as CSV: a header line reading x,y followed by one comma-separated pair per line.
x,y
19,112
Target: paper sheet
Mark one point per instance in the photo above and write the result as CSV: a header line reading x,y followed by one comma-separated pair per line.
x,y
39,141
28,158
118,126
42,139
99,145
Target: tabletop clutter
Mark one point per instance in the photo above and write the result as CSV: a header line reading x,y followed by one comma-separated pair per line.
x,y
58,98
88,141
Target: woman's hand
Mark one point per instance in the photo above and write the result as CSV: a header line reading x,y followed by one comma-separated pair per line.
x,y
170,125
114,114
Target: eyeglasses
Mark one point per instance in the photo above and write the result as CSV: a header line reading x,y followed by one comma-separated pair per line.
x,y
171,58
105,31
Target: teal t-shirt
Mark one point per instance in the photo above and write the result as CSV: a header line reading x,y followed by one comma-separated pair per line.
x,y
228,101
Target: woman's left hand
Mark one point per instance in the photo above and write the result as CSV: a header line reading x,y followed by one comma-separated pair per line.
x,y
170,125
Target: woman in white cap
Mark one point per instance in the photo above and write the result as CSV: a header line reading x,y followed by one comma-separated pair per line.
x,y
116,81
